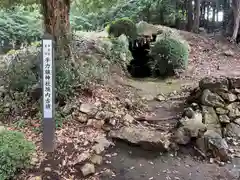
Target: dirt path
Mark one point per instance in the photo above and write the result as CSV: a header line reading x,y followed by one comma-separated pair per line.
x,y
132,163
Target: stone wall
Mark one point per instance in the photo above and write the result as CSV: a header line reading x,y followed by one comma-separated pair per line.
x,y
212,119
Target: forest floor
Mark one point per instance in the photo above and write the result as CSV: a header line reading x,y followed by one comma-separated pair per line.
x,y
123,162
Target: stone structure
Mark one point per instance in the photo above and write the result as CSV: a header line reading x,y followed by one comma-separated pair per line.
x,y
212,118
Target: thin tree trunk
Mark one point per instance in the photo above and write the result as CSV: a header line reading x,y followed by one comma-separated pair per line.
x,y
214,14
225,14
204,13
196,16
190,15
208,12
235,27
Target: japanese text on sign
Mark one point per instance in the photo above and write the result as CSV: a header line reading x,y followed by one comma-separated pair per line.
x,y
47,79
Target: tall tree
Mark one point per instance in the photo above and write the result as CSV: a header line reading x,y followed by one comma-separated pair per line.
x,y
56,22
226,8
189,15
236,16
196,15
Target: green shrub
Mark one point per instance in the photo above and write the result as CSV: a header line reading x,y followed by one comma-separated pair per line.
x,y
168,56
15,153
122,26
22,69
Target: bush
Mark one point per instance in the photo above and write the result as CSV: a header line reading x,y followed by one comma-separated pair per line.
x,y
122,26
15,153
168,56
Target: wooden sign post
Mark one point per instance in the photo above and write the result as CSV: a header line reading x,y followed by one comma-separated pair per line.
x,y
48,89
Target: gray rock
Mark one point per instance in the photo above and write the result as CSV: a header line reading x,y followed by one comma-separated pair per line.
x,y
193,126
227,96
233,130
211,120
87,108
146,138
209,115
105,115
83,157
128,118
195,106
215,127
68,109
160,98
214,83
88,169
237,121
102,144
235,91
234,111
211,99
222,111
216,144
234,82
224,119
47,169
96,159
189,112
181,136
148,97
113,122
98,124
82,117
228,53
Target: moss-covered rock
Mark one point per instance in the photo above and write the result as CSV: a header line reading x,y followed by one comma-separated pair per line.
x,y
146,29
122,26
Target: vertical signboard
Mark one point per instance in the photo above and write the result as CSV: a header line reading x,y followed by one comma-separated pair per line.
x,y
48,88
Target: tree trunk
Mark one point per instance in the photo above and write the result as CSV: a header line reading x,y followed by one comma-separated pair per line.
x,y
225,14
204,13
56,23
190,15
196,16
208,9
236,15
214,14
208,12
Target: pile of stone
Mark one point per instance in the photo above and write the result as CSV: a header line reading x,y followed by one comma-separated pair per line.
x,y
212,118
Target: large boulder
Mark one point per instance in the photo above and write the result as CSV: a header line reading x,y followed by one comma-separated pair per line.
x,y
144,137
211,119
211,99
146,29
214,83
214,143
